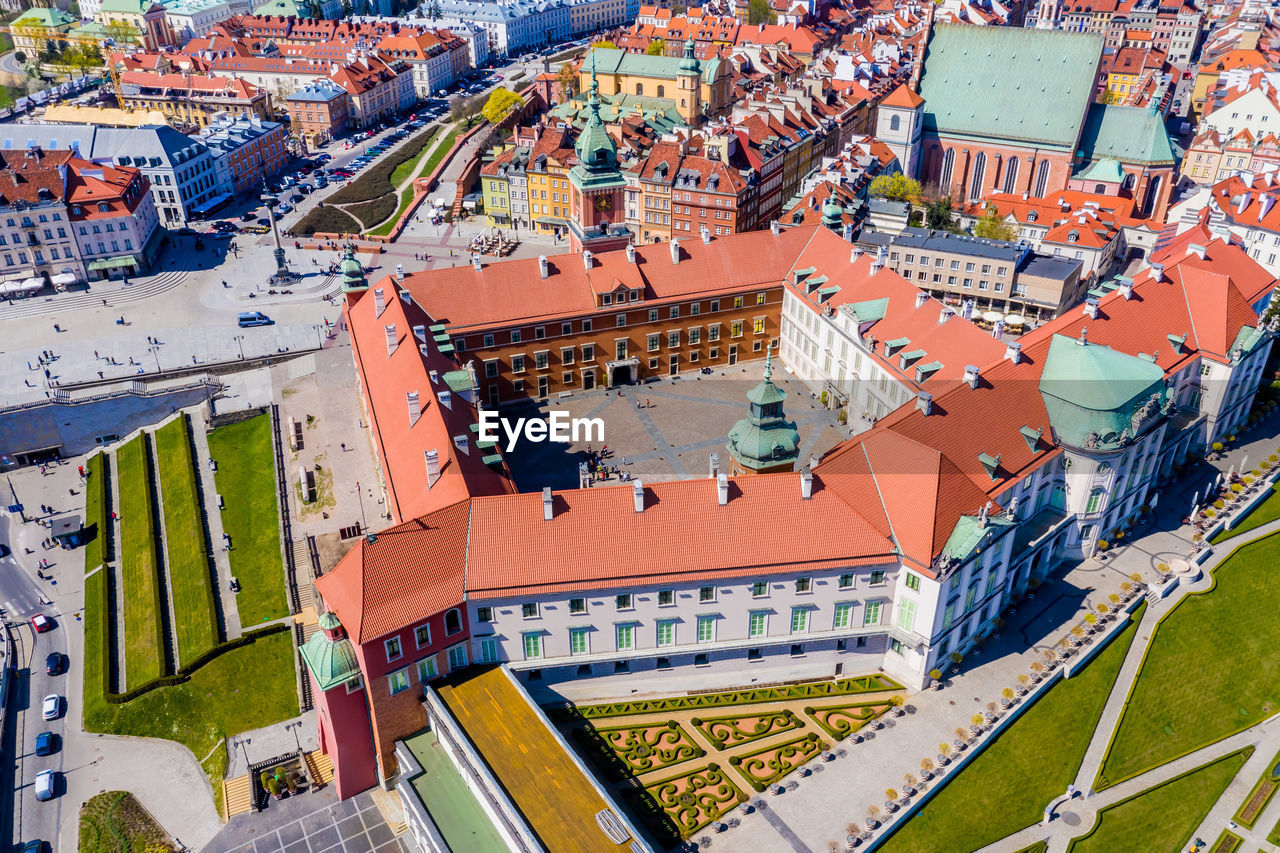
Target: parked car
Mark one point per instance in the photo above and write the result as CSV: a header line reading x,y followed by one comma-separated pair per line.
x,y
55,663
35,847
46,743
248,216
51,708
297,197
285,208
254,318
41,623
45,782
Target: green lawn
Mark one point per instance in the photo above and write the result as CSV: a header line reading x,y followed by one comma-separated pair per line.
x,y
191,587
1268,510
139,567
401,172
97,496
247,482
97,641
1211,669
1163,818
445,146
1010,783
114,822
245,688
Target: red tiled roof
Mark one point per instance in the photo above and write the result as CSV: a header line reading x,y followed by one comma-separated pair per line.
x,y
903,97
380,585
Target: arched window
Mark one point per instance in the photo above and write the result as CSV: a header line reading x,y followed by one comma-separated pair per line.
x,y
1011,176
895,122
1042,179
948,163
1153,193
1127,183
452,622
979,172
639,88
1095,500
662,91
684,102
1100,189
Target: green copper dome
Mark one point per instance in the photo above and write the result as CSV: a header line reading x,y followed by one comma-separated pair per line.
x,y
352,272
690,63
331,661
1098,398
597,155
765,439
832,213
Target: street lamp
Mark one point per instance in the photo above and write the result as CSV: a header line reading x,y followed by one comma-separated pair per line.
x,y
155,350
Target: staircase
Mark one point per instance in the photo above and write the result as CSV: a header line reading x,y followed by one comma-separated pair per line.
x,y
303,596
319,767
237,796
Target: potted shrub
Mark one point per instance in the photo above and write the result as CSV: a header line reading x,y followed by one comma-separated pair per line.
x,y
873,816
935,679
1216,447
976,723
944,754
1037,671
908,784
926,768
1024,682
1006,696
890,800
1103,545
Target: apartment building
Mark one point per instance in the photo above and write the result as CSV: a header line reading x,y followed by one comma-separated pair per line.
x,y
246,151
117,229
191,100
320,111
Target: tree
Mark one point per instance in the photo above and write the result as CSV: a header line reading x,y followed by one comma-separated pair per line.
x,y
938,214
758,12
500,104
896,187
20,57
568,80
433,10
991,227
657,47
608,45
120,32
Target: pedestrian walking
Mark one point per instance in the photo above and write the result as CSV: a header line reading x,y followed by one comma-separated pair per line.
x,y
99,374
646,402
95,354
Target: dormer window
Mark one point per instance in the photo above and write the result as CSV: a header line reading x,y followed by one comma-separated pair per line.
x,y
1073,236
103,207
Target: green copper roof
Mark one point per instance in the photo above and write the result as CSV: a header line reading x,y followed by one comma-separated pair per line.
x,y
1009,82
1247,339
970,534
128,7
1127,134
765,438
689,62
458,380
871,310
610,60
597,155
352,272
832,213
1096,396
332,662
40,17
1107,171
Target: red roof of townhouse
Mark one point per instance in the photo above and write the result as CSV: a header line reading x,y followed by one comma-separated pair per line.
x,y
90,185
189,85
402,445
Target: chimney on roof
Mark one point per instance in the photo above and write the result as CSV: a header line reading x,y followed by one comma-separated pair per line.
x,y
543,267
722,489
433,467
631,254
921,298
775,226
705,233
1157,272
548,512
475,261
854,254
392,340
446,399
415,407
675,251
420,332
1265,203
944,314
1197,250
715,465
1091,307
1243,203
1026,194
846,233
404,294
971,375
1013,352
379,301
586,259
1125,286
924,402
637,495
806,483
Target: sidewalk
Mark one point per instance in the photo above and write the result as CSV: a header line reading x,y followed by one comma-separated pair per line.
x,y
222,563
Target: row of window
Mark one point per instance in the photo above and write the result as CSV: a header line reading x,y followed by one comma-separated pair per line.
x,y
625,636
625,601
955,264
398,681
422,635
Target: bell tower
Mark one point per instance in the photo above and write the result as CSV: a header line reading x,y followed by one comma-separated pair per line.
x,y
689,87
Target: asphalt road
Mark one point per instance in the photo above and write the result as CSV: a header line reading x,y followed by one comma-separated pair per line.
x,y
22,817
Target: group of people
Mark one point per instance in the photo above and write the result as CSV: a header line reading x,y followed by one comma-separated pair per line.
x,y
599,470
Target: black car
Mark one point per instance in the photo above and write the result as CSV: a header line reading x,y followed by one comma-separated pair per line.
x,y
296,197
35,847
248,216
55,664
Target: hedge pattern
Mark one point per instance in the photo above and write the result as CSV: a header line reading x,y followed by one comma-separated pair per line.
x,y
765,766
1256,803
646,748
678,807
738,729
191,584
144,640
840,721
97,511
876,683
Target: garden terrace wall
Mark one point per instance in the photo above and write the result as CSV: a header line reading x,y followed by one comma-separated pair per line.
x,y
98,511
190,570
141,600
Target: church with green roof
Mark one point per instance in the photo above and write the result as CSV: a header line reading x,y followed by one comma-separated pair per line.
x,y
1013,110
